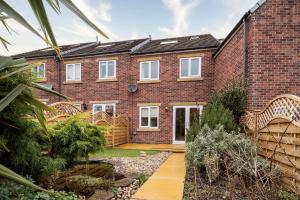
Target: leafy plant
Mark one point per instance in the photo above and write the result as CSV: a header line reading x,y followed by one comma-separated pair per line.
x,y
73,139
38,8
236,155
233,98
142,178
12,91
10,190
216,114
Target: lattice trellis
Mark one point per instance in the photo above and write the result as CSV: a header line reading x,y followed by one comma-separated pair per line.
x,y
284,106
61,109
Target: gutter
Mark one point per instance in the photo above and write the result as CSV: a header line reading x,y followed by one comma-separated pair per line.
x,y
58,69
237,26
245,52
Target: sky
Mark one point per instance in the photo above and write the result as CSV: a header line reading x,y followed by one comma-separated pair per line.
x,y
128,19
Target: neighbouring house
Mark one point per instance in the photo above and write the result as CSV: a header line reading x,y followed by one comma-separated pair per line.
x,y
162,85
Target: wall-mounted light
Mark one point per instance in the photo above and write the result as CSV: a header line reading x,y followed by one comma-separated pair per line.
x,y
85,107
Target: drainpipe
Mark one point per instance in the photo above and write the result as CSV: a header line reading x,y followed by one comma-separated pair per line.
x,y
58,69
245,67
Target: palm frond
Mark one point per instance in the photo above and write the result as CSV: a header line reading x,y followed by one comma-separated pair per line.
x,y
54,4
4,42
41,15
45,89
11,96
11,13
7,173
72,7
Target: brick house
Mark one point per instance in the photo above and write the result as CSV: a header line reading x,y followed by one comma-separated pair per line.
x,y
174,77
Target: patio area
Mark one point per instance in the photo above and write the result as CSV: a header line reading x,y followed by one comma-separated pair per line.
x,y
175,148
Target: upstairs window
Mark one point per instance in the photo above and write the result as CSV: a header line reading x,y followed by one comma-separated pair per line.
x,y
40,71
190,67
149,117
107,69
108,108
149,70
73,72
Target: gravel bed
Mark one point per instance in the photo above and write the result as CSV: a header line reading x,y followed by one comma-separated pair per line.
x,y
139,165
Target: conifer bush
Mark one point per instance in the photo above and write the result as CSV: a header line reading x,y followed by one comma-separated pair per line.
x,y
74,139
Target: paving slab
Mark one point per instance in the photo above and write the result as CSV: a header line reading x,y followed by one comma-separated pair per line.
x,y
166,183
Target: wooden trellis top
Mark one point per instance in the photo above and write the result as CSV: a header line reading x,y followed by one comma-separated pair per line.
x,y
284,106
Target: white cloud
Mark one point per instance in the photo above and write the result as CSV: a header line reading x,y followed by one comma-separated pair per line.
x,y
180,12
134,35
234,10
98,14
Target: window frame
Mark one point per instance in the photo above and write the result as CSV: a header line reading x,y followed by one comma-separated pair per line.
x,y
103,105
190,67
150,67
106,67
74,71
149,117
37,71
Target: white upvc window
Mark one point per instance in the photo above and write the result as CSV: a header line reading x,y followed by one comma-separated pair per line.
x,y
190,67
40,70
109,108
107,69
73,72
149,70
149,117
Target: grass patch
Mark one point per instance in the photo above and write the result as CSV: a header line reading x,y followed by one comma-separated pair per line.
x,y
111,152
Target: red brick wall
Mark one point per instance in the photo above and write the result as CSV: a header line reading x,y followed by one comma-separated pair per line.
x,y
274,54
228,64
168,91
89,91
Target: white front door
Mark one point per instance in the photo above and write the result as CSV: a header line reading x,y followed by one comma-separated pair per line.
x,y
183,118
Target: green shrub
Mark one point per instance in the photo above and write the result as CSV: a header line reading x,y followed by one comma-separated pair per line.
x,y
236,153
233,98
11,190
216,114
193,131
73,139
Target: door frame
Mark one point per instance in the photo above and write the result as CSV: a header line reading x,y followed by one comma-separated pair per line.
x,y
187,117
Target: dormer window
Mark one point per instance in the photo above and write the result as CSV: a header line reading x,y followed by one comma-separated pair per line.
x,y
194,38
104,45
169,42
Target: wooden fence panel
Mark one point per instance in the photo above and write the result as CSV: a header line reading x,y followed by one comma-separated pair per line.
x,y
116,127
276,131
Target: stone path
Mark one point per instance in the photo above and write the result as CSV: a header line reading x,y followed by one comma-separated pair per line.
x,y
166,183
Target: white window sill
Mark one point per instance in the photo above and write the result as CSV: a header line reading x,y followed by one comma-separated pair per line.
x,y
191,79
148,130
106,80
149,81
73,82
41,80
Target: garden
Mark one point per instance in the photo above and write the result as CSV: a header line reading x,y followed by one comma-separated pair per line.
x,y
63,160
221,161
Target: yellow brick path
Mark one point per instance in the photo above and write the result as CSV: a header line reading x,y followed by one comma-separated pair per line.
x,y
167,181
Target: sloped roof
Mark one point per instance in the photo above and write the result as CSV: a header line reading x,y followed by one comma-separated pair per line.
x,y
84,49
178,44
